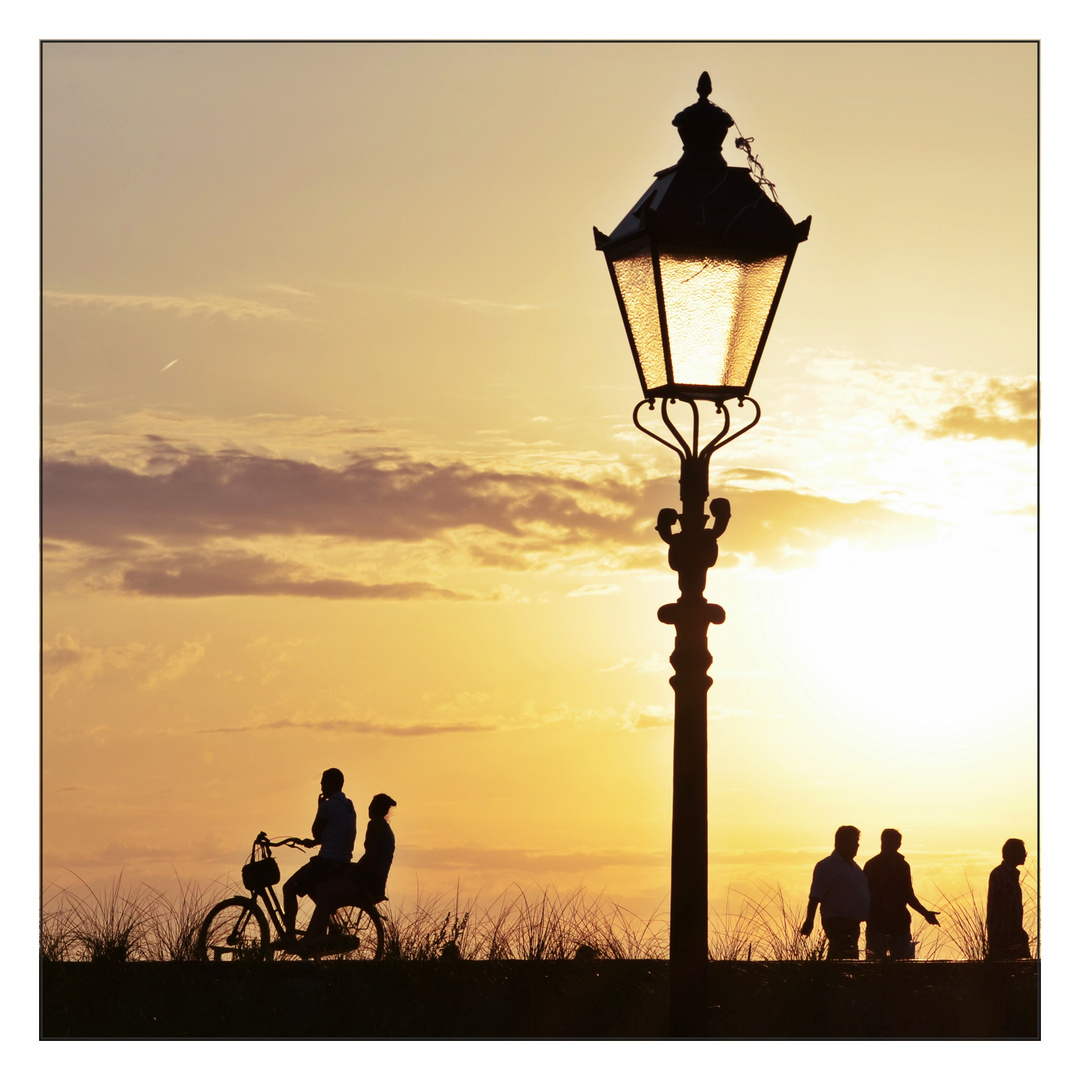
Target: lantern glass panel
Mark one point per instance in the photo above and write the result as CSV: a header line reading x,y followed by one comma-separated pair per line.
x,y
716,313
637,286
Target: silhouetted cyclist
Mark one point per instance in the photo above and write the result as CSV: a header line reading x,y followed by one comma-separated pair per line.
x,y
839,886
334,829
364,883
1006,938
888,928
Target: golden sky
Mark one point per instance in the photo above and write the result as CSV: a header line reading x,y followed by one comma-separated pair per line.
x,y
339,467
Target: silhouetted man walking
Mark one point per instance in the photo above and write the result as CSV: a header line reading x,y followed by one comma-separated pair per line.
x,y
1006,938
334,829
839,886
888,927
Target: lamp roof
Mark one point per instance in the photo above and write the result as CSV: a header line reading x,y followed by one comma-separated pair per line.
x,y
701,202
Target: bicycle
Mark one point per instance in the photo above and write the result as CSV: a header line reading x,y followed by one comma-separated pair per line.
x,y
237,928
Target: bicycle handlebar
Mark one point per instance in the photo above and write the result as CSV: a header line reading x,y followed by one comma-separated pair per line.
x,y
289,841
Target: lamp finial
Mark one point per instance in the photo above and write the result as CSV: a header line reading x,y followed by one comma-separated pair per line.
x,y
702,128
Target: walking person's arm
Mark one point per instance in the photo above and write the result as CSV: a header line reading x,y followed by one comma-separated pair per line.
x,y
807,927
912,902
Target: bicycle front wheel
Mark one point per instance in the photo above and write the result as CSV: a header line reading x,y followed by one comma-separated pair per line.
x,y
364,925
235,930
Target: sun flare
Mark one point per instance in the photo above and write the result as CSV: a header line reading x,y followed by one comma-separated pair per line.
x,y
918,639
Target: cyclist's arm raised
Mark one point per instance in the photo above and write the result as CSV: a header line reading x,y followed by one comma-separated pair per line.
x,y
317,825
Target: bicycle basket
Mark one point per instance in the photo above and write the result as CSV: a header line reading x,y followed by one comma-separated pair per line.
x,y
261,874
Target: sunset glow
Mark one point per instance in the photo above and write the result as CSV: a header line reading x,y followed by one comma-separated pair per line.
x,y
340,471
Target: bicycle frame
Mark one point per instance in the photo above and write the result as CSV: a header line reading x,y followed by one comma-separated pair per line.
x,y
267,894
269,897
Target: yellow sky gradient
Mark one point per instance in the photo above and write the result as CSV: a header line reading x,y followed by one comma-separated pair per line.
x,y
340,468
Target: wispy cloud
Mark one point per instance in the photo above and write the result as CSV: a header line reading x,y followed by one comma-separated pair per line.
x,y
476,303
353,727
232,307
489,305
463,714
236,573
176,664
529,860
288,290
992,408
963,420
594,590
66,660
643,665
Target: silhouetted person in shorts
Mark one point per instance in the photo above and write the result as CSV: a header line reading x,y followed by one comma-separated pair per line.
x,y
839,886
364,883
888,927
334,829
1006,938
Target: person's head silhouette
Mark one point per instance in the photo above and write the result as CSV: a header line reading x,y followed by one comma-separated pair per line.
x,y
890,840
1013,852
380,806
332,780
846,841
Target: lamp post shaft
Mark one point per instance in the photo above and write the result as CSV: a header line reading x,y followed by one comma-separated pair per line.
x,y
691,552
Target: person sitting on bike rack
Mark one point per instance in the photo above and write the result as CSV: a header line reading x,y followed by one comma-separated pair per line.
x,y
364,883
334,828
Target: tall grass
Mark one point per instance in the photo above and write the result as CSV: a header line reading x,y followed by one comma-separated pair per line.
x,y
765,927
963,920
541,924
120,923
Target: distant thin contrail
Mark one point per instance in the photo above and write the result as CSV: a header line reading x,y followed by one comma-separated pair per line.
x,y
169,365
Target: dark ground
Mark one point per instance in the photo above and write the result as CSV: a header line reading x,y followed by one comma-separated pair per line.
x,y
534,999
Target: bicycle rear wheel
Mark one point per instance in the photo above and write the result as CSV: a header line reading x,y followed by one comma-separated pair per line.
x,y
364,925
234,930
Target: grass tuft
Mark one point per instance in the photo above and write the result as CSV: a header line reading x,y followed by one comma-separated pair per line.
x,y
119,924
765,927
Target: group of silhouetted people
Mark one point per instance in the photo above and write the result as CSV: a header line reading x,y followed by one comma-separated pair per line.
x,y
881,892
330,878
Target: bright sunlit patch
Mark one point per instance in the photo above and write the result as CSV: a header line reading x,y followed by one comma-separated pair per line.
x,y
931,641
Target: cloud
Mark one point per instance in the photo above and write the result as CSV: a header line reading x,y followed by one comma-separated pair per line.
x,y
117,853
176,664
966,420
649,716
66,660
643,665
784,527
380,495
594,590
192,497
232,307
354,727
182,522
288,290
489,305
462,714
233,573
475,857
997,409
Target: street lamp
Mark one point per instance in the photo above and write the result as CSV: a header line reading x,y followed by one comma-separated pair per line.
x,y
698,267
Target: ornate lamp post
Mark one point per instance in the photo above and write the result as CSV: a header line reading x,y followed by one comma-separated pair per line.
x,y
698,267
